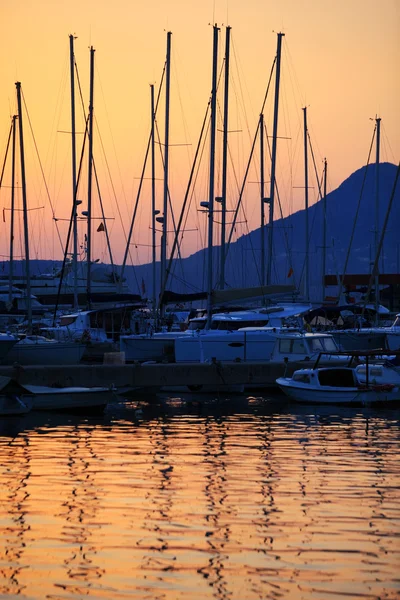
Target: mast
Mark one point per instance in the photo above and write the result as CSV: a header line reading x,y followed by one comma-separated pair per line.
x,y
212,174
153,200
25,209
324,230
224,159
378,142
273,156
307,270
11,273
262,199
73,148
90,170
163,260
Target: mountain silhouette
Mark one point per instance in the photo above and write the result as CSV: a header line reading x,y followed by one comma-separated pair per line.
x,y
350,215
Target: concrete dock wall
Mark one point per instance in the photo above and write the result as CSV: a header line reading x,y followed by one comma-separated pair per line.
x,y
152,375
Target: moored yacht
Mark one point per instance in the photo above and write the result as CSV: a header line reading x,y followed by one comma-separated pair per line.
x,y
361,385
160,346
38,350
254,344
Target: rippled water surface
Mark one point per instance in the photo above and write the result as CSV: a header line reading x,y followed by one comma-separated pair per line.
x,y
265,500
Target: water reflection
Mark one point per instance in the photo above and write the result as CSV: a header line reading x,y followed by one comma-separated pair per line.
x,y
173,501
15,474
78,512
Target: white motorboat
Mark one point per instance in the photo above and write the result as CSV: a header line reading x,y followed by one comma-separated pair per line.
x,y
15,399
160,346
70,399
38,350
254,344
361,385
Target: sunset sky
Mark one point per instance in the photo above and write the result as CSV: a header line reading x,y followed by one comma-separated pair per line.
x,y
341,59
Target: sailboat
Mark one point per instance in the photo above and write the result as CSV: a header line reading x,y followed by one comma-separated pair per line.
x,y
32,349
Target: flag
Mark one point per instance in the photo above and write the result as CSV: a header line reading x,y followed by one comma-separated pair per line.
x,y
100,227
290,272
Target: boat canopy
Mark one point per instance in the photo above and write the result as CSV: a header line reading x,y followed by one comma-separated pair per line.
x,y
230,295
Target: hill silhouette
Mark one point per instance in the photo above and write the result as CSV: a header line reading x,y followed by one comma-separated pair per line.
x,y
355,197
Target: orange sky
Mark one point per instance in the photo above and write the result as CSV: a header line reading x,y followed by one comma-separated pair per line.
x,y
340,59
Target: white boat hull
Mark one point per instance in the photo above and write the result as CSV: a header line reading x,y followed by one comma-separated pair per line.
x,y
337,395
142,348
79,399
45,354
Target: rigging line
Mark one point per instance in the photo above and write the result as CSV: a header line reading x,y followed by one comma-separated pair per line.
x,y
192,195
374,272
190,286
101,142
180,231
41,168
175,242
319,197
6,153
248,165
80,91
341,279
128,241
108,168
203,136
168,193
172,213
105,222
293,77
385,138
285,234
69,229
239,86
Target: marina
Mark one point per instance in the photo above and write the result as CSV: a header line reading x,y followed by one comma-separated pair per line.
x,y
200,302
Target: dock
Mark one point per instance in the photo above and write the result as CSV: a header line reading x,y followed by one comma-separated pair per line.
x,y
154,376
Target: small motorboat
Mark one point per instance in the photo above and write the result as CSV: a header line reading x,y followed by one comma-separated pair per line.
x,y
363,384
71,399
15,399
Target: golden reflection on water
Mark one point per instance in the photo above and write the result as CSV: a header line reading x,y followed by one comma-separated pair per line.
x,y
258,504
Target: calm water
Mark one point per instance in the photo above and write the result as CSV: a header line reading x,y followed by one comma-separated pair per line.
x,y
265,500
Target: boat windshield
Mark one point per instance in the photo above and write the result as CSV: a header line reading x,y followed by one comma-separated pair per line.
x,y
301,377
64,321
322,344
292,346
196,325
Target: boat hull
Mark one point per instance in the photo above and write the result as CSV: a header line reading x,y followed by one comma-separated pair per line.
x,y
73,399
346,396
45,354
143,348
